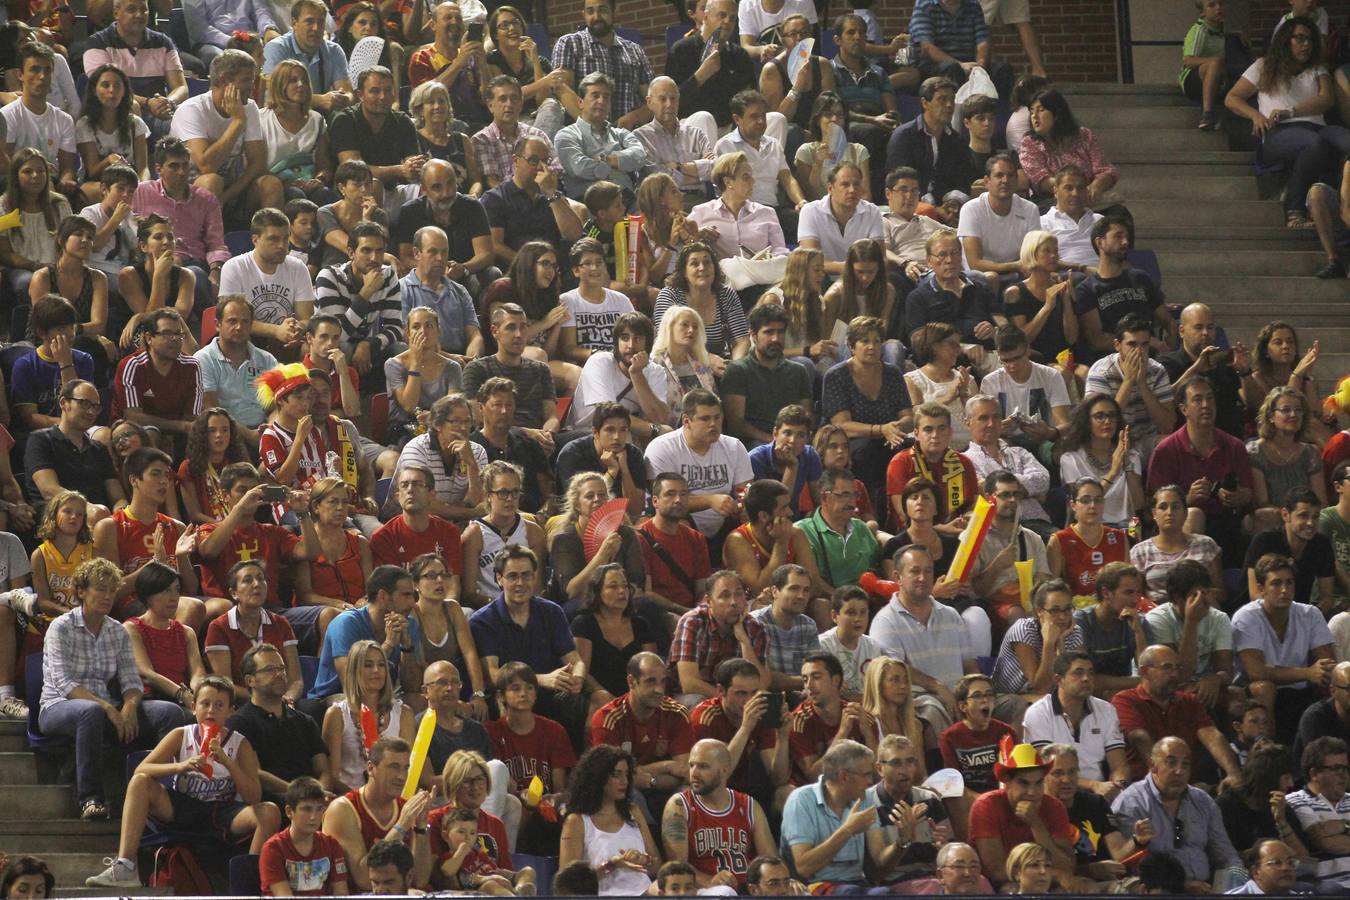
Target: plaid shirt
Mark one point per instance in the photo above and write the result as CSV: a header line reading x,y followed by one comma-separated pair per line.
x,y
75,657
494,153
623,61
699,639
788,646
956,35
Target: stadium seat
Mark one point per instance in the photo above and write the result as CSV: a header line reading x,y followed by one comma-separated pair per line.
x,y
379,417
674,33
197,86
1146,261
238,242
826,47
630,34
545,867
208,325
32,690
178,32
309,670
245,880
382,491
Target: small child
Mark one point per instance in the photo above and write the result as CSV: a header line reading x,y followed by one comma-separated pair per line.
x,y
971,745
304,235
1251,723
676,879
466,866
592,308
304,859
1203,77
605,202
115,241
1308,9
847,640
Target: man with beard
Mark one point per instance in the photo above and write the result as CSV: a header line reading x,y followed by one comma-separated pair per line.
x,y
286,740
759,384
536,406
712,827
681,149
625,374
650,725
707,75
676,554
430,284
1227,370
469,252
231,364
161,386
1116,290
527,205
1139,385
363,295
456,63
592,150
494,144
767,540
735,716
276,285
1100,846
1186,821
717,630
909,814
596,48
1007,542
503,441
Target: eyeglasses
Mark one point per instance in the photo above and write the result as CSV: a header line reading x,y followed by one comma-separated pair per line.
x,y
1301,37
980,695
533,160
796,34
1090,501
963,866
510,25
1178,833
546,264
444,683
946,254
847,495
270,670
86,405
517,576
506,493
171,335
1105,417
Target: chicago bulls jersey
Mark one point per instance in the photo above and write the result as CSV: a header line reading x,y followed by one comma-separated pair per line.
x,y
1082,563
721,841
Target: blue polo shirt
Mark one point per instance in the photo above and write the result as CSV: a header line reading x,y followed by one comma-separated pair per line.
x,y
349,627
453,305
808,820
327,66
235,388
541,644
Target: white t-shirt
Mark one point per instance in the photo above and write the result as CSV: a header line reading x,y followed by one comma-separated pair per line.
x,y
725,465
111,142
1319,17
283,144
594,322
197,118
274,296
118,251
1036,397
14,560
754,19
602,380
1075,465
1000,236
51,133
1300,88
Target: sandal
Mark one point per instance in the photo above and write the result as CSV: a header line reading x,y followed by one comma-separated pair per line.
x,y
93,809
1298,221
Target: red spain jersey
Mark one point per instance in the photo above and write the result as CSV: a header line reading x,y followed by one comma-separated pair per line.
x,y
396,544
709,720
1082,563
810,735
721,840
665,735
270,544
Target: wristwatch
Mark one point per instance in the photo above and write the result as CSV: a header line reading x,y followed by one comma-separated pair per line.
x,y
553,198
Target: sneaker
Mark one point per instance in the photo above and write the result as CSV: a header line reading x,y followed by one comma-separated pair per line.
x,y
117,875
21,600
13,708
1333,269
1209,121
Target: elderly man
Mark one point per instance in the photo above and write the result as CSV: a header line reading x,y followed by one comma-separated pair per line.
x,y
461,218
528,206
1274,870
330,86
458,63
1329,717
718,629
834,222
597,49
1157,709
709,66
1018,813
989,453
1229,370
149,59
1186,821
429,284
842,544
680,148
223,135
1323,811
494,144
948,294
591,149
898,789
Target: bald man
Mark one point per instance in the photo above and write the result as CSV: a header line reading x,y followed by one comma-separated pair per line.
x,y
1329,717
680,148
1274,869
1199,354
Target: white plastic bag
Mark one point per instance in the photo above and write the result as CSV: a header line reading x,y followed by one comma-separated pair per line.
x,y
742,272
977,83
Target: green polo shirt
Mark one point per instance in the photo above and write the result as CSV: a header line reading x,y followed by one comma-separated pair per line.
x,y
1201,40
841,559
766,390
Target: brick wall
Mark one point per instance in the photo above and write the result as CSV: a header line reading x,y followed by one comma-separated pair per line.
x,y
1265,13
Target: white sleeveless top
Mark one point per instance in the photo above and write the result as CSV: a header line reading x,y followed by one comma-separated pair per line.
x,y
353,768
602,846
493,543
219,784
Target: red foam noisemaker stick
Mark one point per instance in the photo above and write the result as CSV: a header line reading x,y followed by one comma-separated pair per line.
x,y
210,731
369,730
877,586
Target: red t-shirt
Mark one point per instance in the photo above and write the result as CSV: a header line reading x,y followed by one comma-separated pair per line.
x,y
665,735
138,385
1335,452
710,721
136,545
974,752
688,548
810,735
903,467
270,544
541,751
309,875
223,634
395,543
491,836
1184,716
210,497
991,816
1082,563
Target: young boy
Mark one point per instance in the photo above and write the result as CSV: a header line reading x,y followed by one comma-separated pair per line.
x,y
971,745
304,216
592,308
115,239
529,744
847,640
676,879
980,116
1204,77
605,203
302,861
465,866
215,789
1251,722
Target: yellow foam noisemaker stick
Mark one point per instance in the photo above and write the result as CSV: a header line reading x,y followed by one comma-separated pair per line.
x,y
621,251
421,744
11,220
535,792
969,550
1024,569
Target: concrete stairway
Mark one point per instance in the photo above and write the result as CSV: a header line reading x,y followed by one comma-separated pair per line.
x,y
1200,208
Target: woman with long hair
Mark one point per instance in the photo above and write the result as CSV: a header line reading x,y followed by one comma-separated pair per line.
x,y
937,347
534,284
682,350
546,93
66,543
1078,551
698,284
606,631
1293,92
809,317
573,568
445,628
815,159
1041,304
296,135
1284,459
418,376
124,439
1276,362
889,708
1097,444
1155,557
1255,807
864,290
361,20
214,441
1056,140
602,829
337,576
32,245
155,280
433,114
166,650
85,287
108,132
664,225
366,684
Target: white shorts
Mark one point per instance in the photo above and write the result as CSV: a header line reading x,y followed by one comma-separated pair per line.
x,y
1006,12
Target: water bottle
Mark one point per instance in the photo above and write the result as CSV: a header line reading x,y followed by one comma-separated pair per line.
x,y
902,54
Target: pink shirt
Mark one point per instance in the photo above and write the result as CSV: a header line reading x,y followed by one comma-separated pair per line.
x,y
754,229
1041,161
198,230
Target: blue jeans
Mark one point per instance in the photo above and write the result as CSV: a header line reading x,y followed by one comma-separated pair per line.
x,y
87,724
1282,146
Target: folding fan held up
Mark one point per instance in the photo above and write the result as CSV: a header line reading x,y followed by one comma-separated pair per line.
x,y
602,523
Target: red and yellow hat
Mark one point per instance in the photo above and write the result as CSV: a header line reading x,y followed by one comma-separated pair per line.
x,y
1013,758
275,384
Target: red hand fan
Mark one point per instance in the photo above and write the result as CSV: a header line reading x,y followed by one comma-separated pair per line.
x,y
603,522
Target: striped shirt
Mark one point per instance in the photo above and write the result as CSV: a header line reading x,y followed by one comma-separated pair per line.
x,y
147,65
623,61
77,658
1008,675
938,649
721,334
667,151
788,646
957,35
1105,377
379,319
1314,809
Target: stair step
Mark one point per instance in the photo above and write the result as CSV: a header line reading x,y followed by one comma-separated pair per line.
x,y
73,868
1158,234
1204,215
1107,116
1115,89
1279,294
1176,262
1182,169
1172,186
83,891
1160,142
1139,153
37,836
39,800
18,768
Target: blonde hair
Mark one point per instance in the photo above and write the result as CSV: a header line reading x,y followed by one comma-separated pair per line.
x,y
800,299
458,767
725,168
1032,242
351,685
276,84
1021,855
47,529
319,490
872,701
1265,417
568,517
421,95
666,330
96,572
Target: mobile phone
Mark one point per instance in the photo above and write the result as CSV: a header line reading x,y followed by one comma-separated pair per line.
x,y
773,715
273,493
474,32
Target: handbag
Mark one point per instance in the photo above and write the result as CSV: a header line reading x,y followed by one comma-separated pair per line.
x,y
743,272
